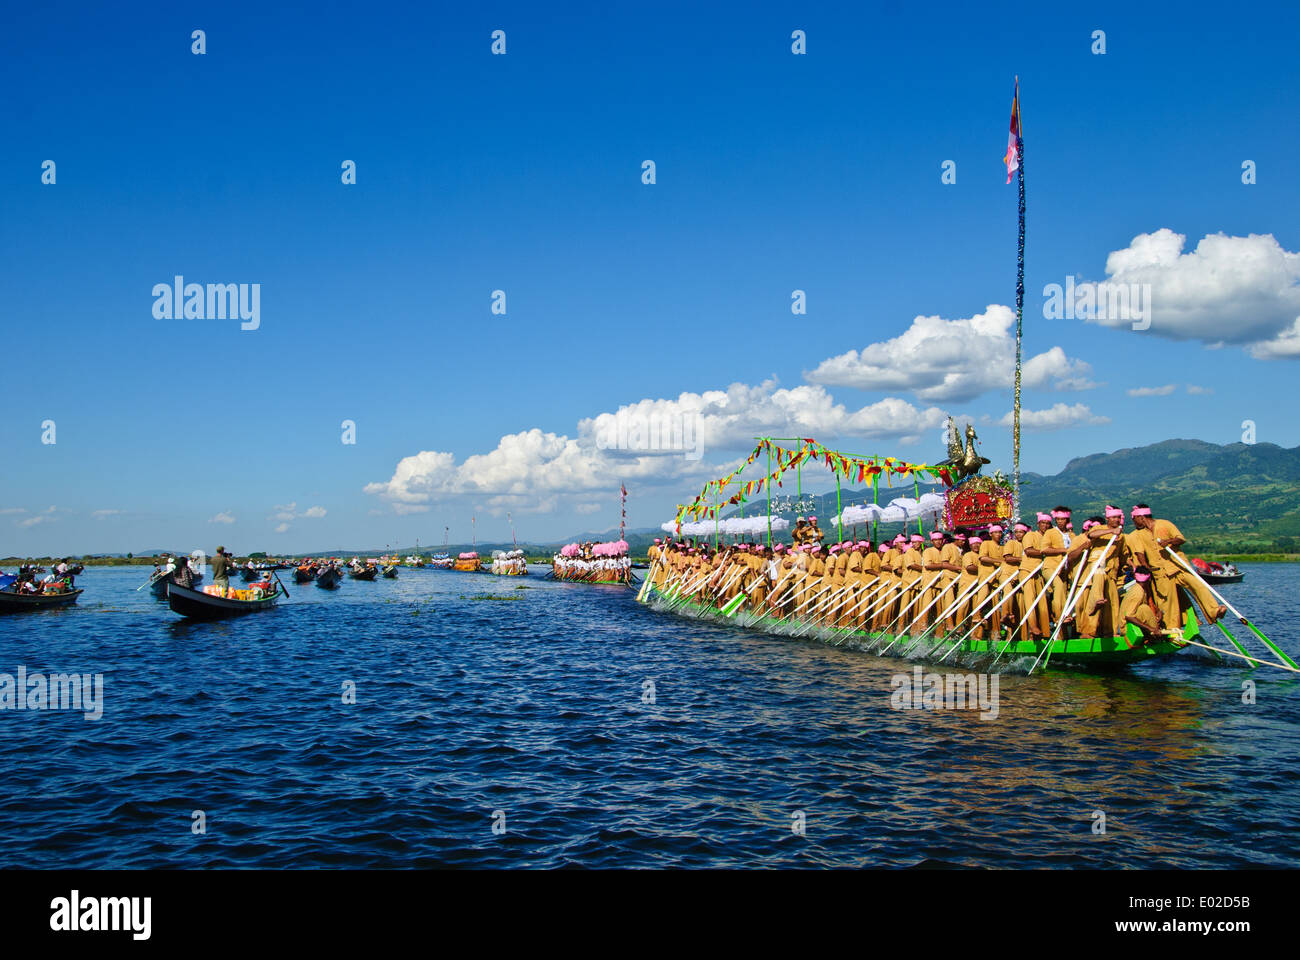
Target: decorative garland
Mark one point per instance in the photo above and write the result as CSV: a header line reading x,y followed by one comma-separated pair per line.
x,y
856,469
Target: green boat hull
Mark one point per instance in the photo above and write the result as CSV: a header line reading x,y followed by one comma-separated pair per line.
x,y
1077,651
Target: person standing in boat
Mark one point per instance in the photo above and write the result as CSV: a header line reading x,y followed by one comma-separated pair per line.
x,y
221,565
1162,537
815,534
1055,547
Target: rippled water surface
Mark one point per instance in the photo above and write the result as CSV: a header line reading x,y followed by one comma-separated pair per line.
x,y
534,704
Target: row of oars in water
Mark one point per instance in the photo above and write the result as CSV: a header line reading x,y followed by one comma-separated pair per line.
x,y
678,591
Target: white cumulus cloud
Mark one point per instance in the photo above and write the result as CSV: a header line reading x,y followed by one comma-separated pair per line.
x,y
1164,391
666,442
1056,417
222,517
1236,290
952,360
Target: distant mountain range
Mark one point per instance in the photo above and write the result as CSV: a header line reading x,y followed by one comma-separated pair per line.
x,y
1234,498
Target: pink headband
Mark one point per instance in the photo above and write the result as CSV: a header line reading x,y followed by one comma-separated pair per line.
x,y
1141,511
884,548
936,535
995,528
1022,527
1060,514
975,540
1044,518
917,538
1087,524
1114,511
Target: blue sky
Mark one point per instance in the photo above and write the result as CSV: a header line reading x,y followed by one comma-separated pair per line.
x,y
523,173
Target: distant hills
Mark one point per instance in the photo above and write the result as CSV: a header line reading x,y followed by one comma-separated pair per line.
x,y
1234,498
1227,499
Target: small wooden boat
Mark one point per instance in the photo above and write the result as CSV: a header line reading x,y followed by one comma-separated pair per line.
x,y
207,606
363,573
159,587
1212,571
12,602
390,571
304,574
329,578
249,574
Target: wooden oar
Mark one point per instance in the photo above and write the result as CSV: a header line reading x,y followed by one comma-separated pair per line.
x,y
953,607
821,605
1243,656
872,591
725,587
880,594
1237,613
1020,583
281,583
907,630
1071,601
777,589
152,580
902,613
735,603
645,585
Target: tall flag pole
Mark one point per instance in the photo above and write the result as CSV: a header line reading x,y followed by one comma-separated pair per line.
x,y
622,506
1015,161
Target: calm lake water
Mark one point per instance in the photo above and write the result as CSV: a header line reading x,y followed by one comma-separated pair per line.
x,y
531,708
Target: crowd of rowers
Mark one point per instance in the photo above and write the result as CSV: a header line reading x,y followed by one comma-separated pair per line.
x,y
1008,581
593,562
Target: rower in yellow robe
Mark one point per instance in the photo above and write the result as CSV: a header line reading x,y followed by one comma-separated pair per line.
x,y
803,580
1013,558
990,552
852,582
1033,623
1055,546
820,582
780,599
891,570
871,584
911,572
951,557
833,583
760,582
1141,605
1163,538
1084,552
1103,600
972,574
932,573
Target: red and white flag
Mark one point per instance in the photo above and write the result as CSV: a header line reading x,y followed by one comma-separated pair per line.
x,y
1012,159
